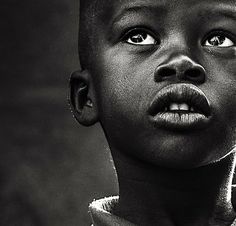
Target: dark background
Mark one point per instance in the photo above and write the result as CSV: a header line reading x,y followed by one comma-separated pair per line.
x,y
50,167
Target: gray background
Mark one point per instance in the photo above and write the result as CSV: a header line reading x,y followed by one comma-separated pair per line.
x,y
50,167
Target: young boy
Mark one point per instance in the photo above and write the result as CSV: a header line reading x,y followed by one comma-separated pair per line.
x,y
160,77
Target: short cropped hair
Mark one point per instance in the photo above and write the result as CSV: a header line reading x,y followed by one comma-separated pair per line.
x,y
88,11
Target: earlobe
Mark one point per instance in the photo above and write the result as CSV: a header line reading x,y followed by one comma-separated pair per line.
x,y
82,98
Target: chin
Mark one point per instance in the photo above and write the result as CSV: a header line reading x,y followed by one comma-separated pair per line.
x,y
182,152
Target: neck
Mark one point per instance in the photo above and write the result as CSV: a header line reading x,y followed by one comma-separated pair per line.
x,y
151,195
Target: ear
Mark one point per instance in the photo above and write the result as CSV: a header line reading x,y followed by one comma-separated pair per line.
x,y
82,98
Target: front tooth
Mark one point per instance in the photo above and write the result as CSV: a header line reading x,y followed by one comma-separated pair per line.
x,y
183,107
174,107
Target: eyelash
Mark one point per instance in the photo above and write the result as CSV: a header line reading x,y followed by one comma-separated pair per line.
x,y
139,30
132,31
215,33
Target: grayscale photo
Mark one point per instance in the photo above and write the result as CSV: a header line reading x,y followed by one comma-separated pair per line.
x,y
118,113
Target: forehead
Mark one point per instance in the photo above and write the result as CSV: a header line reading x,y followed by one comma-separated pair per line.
x,y
106,4
110,9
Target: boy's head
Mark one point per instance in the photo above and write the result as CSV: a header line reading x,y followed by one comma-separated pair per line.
x,y
160,77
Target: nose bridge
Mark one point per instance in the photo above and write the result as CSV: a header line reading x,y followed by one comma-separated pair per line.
x,y
178,43
179,46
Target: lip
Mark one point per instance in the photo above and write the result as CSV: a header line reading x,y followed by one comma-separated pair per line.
x,y
180,120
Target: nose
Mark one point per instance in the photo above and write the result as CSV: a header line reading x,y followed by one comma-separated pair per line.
x,y
182,68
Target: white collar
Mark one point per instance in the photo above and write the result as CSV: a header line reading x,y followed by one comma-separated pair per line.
x,y
101,213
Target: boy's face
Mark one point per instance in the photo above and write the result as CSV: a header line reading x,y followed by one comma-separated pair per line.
x,y
142,49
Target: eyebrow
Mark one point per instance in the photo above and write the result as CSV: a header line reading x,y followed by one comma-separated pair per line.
x,y
125,11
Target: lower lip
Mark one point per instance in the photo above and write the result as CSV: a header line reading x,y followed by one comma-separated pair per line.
x,y
180,121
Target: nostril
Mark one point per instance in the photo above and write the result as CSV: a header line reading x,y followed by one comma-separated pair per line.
x,y
194,74
165,72
181,69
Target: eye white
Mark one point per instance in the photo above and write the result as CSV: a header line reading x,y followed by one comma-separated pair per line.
x,y
219,41
141,39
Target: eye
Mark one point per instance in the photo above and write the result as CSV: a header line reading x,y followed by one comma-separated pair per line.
x,y
140,37
218,41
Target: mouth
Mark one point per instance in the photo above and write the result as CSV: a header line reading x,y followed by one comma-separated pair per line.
x,y
180,107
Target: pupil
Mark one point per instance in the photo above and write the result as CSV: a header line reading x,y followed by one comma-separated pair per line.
x,y
139,37
217,40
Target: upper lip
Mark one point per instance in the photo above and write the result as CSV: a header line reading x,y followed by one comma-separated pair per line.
x,y
180,93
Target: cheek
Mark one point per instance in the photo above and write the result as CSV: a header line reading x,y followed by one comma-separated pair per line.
x,y
221,91
124,85
227,103
221,85
124,91
221,68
